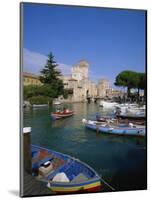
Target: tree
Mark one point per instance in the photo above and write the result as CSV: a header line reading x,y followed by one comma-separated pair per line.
x,y
50,74
129,79
142,82
52,86
50,77
31,90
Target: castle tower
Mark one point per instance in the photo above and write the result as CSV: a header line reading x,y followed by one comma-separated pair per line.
x,y
103,86
80,71
84,66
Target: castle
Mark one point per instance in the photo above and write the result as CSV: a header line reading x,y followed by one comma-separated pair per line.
x,y
79,85
80,88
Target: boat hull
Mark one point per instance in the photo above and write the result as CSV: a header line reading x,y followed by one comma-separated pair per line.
x,y
135,121
94,186
61,115
131,117
123,130
39,105
110,105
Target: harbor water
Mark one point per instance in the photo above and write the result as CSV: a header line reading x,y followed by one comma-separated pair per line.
x,y
120,160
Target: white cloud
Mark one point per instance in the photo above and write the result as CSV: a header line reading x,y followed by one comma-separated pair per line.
x,y
33,62
65,69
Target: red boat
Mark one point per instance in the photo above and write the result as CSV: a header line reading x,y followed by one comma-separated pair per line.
x,y
61,114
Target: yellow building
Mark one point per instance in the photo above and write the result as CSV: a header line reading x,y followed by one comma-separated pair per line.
x,y
31,79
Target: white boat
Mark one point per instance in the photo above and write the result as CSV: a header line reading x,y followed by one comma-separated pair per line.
x,y
107,104
130,109
39,105
116,129
57,103
136,110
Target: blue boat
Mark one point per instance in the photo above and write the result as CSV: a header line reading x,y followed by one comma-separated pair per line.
x,y
62,173
121,129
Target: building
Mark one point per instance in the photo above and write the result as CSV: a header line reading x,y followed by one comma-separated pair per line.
x,y
78,83
30,79
114,93
80,88
80,70
103,86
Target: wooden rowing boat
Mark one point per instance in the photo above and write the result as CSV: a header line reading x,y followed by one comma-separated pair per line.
x,y
120,129
60,115
62,173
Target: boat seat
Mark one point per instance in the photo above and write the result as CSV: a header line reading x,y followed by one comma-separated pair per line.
x,y
79,178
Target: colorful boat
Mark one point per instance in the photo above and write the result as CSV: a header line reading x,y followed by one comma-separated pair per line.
x,y
62,173
120,129
60,115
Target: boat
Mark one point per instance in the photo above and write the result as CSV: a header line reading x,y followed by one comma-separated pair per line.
x,y
61,114
116,129
106,104
138,116
57,103
134,121
39,105
136,111
130,108
62,173
103,118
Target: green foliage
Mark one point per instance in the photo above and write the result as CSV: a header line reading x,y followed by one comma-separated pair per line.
x,y
127,79
131,79
50,74
52,84
43,90
142,81
67,92
31,90
39,100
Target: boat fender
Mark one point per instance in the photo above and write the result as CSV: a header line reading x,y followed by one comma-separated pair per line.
x,y
131,125
84,120
90,122
48,184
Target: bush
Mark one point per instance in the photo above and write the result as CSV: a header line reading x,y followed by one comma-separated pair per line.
x,y
30,91
40,100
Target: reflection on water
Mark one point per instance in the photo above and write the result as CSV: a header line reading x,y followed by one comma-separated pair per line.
x,y
120,160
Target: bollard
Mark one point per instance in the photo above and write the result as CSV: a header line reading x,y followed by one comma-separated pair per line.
x,y
27,149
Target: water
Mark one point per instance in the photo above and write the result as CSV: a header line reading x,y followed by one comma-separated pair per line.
x,y
121,160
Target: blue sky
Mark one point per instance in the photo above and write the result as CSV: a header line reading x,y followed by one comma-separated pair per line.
x,y
110,40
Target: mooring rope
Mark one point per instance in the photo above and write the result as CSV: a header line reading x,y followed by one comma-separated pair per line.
x,y
112,188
